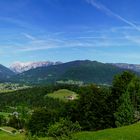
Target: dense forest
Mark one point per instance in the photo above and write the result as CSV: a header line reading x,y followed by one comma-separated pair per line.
x,y
96,108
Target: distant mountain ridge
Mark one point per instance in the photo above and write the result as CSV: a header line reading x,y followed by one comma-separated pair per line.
x,y
134,67
5,73
85,71
20,67
79,71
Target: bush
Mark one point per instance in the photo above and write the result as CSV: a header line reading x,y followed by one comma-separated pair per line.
x,y
28,136
2,120
40,120
63,128
14,131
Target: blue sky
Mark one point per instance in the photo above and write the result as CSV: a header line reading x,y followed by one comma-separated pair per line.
x,y
65,30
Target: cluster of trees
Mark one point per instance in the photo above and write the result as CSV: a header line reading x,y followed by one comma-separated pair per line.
x,y
97,107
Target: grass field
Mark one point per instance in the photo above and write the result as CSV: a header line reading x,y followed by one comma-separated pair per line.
x,y
7,136
63,94
131,132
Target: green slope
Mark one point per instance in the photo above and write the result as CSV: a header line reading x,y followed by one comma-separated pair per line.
x,y
63,94
7,136
131,132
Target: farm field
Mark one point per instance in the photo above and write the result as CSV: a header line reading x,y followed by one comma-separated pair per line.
x,y
63,94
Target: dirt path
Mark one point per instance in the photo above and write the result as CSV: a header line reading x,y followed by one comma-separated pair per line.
x,y
6,131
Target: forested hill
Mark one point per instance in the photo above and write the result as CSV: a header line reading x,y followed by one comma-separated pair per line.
x,y
5,73
85,71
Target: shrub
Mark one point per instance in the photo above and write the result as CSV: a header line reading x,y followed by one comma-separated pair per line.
x,y
28,136
63,128
13,131
40,120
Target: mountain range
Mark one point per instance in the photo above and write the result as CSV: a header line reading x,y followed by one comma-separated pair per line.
x,y
20,67
51,72
85,71
5,73
133,67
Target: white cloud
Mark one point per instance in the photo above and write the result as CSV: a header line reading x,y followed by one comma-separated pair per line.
x,y
133,39
109,12
28,36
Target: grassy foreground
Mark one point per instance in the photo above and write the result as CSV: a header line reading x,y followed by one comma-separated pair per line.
x,y
7,136
131,132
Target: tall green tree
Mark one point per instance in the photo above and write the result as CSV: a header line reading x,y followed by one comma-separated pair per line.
x,y
125,112
2,120
121,105
93,109
120,85
40,120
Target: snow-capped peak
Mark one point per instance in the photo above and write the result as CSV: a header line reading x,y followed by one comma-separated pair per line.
x,y
19,67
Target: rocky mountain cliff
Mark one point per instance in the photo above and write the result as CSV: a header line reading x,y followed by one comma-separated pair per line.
x,y
133,67
20,67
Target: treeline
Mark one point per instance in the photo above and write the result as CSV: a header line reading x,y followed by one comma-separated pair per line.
x,y
97,107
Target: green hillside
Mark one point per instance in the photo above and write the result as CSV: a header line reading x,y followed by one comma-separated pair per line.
x,y
63,94
7,136
84,71
123,133
131,132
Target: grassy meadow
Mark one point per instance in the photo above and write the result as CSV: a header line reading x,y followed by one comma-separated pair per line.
x,y
131,132
7,136
63,94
